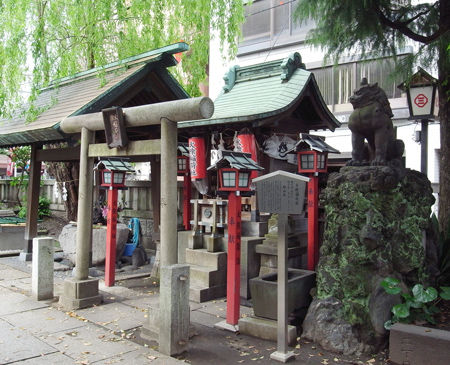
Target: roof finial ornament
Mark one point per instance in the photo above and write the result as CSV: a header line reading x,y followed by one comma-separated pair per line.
x,y
290,64
230,78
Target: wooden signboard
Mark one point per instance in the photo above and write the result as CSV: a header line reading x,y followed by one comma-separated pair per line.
x,y
115,132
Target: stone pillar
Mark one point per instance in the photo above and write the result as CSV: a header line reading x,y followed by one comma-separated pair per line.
x,y
84,216
82,291
174,304
42,268
169,235
32,204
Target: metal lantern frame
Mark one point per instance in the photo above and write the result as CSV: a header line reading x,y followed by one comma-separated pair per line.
x,y
241,179
241,166
420,89
113,172
112,178
318,160
183,159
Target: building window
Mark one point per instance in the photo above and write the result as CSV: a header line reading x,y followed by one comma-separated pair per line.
x,y
271,23
337,83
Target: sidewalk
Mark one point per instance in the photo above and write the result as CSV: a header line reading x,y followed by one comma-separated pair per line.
x,y
38,332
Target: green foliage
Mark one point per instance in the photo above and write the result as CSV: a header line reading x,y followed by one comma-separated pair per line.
x,y
374,27
43,210
68,36
443,245
419,304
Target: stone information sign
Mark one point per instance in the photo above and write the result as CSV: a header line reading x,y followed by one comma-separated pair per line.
x,y
283,192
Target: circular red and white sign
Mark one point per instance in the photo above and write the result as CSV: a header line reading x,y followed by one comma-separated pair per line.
x,y
421,100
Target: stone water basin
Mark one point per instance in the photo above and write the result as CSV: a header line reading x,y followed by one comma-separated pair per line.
x,y
264,294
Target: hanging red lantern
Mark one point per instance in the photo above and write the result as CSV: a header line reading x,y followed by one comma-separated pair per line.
x,y
197,158
245,141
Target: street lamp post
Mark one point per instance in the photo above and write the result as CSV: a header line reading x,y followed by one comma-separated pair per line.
x,y
234,170
312,157
421,95
113,174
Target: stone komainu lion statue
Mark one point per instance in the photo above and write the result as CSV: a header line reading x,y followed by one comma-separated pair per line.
x,y
371,121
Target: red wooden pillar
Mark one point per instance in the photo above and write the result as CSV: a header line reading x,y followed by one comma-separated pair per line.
x,y
234,258
313,222
187,202
111,230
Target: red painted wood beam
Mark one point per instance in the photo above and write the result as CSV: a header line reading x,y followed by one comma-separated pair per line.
x,y
111,231
234,258
187,202
313,222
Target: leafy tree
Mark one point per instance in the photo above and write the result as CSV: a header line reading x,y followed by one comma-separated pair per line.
x,y
67,36
380,27
62,37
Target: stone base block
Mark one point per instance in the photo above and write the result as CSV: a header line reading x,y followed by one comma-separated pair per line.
x,y
223,325
213,244
282,356
201,295
195,241
415,345
25,256
253,229
265,329
80,294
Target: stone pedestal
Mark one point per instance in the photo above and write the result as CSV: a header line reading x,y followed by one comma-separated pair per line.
x,y
265,328
375,216
195,240
42,268
80,294
213,243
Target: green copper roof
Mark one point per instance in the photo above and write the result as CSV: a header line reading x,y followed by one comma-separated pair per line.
x,y
265,90
91,91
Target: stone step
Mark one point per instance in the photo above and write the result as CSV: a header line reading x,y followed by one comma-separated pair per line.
x,y
215,260
206,276
201,294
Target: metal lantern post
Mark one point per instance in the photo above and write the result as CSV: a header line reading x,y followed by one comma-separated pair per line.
x,y
183,170
312,158
421,95
234,170
113,174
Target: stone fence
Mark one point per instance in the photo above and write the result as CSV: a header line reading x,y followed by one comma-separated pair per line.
x,y
135,202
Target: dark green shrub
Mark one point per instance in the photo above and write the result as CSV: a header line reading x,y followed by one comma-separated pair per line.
x,y
43,210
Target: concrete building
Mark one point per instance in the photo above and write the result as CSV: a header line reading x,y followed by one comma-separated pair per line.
x,y
270,33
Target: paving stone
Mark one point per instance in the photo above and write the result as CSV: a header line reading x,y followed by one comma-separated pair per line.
x,y
54,358
219,308
44,321
115,316
205,319
11,274
18,344
89,344
141,357
21,284
116,291
143,302
16,302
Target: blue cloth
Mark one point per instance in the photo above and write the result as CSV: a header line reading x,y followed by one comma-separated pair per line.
x,y
135,226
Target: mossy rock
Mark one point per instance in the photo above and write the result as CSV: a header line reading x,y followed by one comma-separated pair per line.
x,y
375,218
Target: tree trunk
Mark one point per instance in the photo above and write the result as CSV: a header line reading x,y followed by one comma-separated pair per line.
x,y
444,115
66,175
